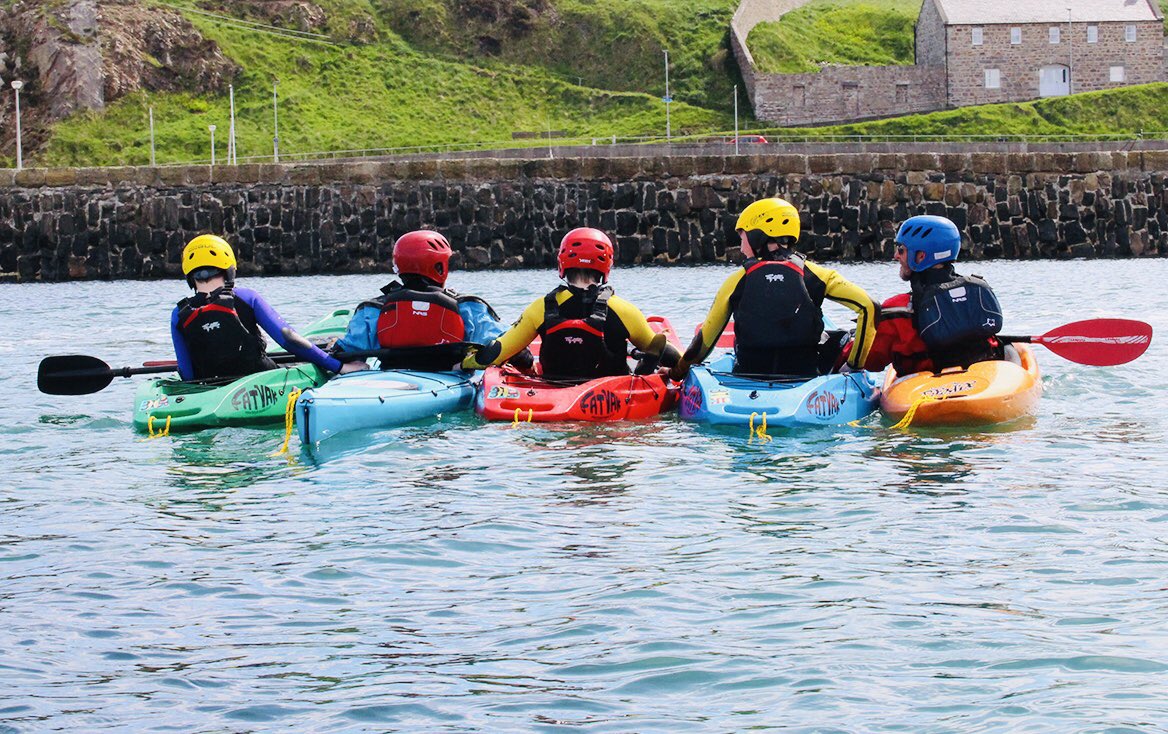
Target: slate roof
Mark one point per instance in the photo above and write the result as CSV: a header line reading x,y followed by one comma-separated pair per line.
x,y
992,12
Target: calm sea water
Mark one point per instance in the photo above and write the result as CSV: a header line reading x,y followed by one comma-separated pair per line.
x,y
657,576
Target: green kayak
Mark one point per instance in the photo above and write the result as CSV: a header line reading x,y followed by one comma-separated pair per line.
x,y
163,405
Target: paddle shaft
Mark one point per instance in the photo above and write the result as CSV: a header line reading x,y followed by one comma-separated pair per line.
x,y
83,375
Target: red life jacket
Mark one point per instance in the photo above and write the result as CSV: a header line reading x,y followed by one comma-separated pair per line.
x,y
576,347
419,316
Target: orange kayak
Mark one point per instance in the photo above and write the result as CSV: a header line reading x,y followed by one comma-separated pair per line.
x,y
987,392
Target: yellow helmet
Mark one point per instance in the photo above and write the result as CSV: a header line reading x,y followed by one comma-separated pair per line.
x,y
207,251
774,217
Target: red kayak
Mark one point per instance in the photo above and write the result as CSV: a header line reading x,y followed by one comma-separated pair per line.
x,y
507,394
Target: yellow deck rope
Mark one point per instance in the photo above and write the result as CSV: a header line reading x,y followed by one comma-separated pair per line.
x,y
289,420
165,431
760,432
907,420
515,422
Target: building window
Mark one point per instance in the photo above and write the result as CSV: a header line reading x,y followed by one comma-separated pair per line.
x,y
977,36
1129,33
1054,34
902,92
1015,36
1118,74
993,79
1092,34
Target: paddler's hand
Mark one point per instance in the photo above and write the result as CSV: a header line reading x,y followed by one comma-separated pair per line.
x,y
678,371
355,366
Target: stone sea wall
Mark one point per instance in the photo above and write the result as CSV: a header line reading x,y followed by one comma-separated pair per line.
x,y
343,217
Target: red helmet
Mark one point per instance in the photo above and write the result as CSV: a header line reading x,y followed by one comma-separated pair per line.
x,y
586,248
422,252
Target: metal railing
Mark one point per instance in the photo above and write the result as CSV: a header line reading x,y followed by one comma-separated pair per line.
x,y
777,142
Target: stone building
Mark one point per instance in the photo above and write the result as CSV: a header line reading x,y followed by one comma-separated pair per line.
x,y
967,52
1009,51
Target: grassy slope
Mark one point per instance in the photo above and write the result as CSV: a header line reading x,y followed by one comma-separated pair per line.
x,y
372,96
389,94
609,44
864,32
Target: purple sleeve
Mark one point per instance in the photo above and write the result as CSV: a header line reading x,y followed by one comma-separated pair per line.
x,y
186,370
283,334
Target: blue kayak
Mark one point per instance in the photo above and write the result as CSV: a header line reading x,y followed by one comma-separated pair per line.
x,y
712,394
374,399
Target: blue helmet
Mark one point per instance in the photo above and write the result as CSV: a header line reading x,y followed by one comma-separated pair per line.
x,y
937,237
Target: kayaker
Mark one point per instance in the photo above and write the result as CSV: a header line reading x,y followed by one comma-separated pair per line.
x,y
776,300
946,320
585,329
217,331
418,310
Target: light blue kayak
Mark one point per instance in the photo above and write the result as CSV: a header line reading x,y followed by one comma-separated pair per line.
x,y
374,399
711,394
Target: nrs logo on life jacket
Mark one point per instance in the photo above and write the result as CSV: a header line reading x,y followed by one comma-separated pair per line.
x,y
210,326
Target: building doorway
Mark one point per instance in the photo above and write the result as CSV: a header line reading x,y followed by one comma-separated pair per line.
x,y
1054,81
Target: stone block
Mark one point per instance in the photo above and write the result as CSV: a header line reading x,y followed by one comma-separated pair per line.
x,y
922,161
955,162
824,164
988,163
788,163
1153,161
60,177
306,174
30,178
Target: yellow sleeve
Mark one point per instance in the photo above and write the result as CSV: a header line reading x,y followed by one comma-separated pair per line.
x,y
846,293
515,339
640,333
715,323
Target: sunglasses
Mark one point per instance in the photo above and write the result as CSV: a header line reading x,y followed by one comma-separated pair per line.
x,y
900,250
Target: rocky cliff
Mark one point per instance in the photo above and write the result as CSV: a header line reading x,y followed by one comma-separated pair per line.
x,y
76,55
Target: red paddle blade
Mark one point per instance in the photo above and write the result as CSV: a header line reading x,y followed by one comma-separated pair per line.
x,y
726,340
1099,342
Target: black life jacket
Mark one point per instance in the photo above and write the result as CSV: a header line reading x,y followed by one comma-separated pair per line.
x,y
777,322
420,314
957,317
573,335
221,334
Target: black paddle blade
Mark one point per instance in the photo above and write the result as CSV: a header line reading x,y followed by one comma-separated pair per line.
x,y
73,374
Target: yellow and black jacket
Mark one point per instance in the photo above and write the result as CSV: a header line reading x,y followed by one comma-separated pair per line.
x,y
777,306
584,333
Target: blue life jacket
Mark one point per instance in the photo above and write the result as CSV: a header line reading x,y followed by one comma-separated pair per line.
x,y
957,316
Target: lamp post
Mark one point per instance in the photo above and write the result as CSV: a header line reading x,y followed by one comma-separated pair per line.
x,y
735,119
16,87
276,121
1071,54
212,129
668,99
152,159
232,157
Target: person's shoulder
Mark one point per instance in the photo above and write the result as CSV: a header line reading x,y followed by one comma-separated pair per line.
x,y
900,300
246,294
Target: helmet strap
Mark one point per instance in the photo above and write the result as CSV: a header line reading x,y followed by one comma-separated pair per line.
x,y
757,239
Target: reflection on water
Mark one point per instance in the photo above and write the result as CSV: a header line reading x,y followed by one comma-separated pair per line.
x,y
655,576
